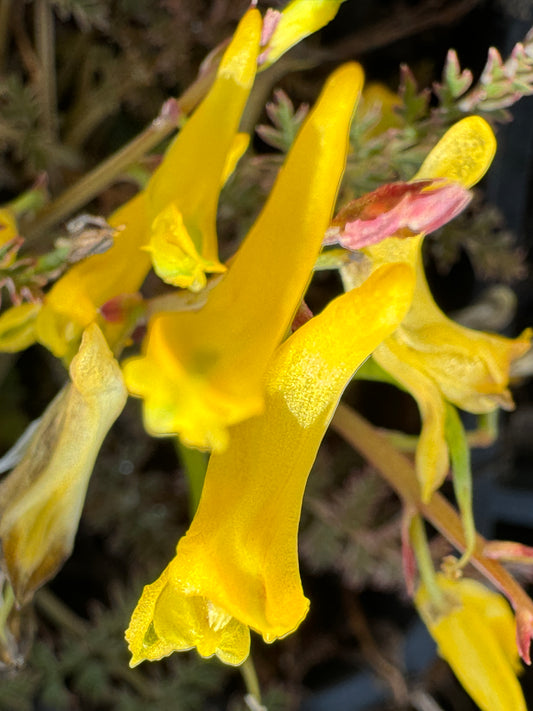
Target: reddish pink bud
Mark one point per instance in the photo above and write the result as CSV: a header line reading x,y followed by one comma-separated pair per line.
x,y
397,210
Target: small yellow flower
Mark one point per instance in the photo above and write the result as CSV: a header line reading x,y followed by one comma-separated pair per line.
x,y
201,372
237,567
434,358
474,629
42,498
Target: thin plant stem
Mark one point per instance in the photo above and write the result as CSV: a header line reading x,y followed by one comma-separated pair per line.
x,y
251,681
400,474
8,600
195,465
5,9
424,560
45,45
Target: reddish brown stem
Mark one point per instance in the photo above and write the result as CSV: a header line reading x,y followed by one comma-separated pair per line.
x,y
399,472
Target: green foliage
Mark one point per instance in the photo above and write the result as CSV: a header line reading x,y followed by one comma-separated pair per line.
x,y
286,122
491,248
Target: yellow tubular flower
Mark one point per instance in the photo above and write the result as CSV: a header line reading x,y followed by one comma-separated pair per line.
x,y
431,356
475,634
237,567
183,193
172,221
42,498
201,372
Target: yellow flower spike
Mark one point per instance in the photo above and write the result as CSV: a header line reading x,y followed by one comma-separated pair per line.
x,y
237,566
475,634
201,372
200,157
299,19
42,498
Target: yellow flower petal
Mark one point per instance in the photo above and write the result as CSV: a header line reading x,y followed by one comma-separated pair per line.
x,y
464,153
42,498
299,19
432,461
174,254
476,636
200,156
201,372
239,560
471,367
184,623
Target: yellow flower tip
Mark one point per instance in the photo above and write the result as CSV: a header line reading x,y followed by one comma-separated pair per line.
x,y
17,327
237,150
463,154
299,19
474,629
174,256
235,65
166,620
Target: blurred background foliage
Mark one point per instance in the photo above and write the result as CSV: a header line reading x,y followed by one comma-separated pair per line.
x,y
80,78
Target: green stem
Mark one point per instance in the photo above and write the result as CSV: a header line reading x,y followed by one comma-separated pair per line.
x,y
5,9
424,560
194,463
8,600
45,45
251,681
462,478
28,201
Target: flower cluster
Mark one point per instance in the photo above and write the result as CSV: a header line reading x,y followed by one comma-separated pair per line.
x,y
220,369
